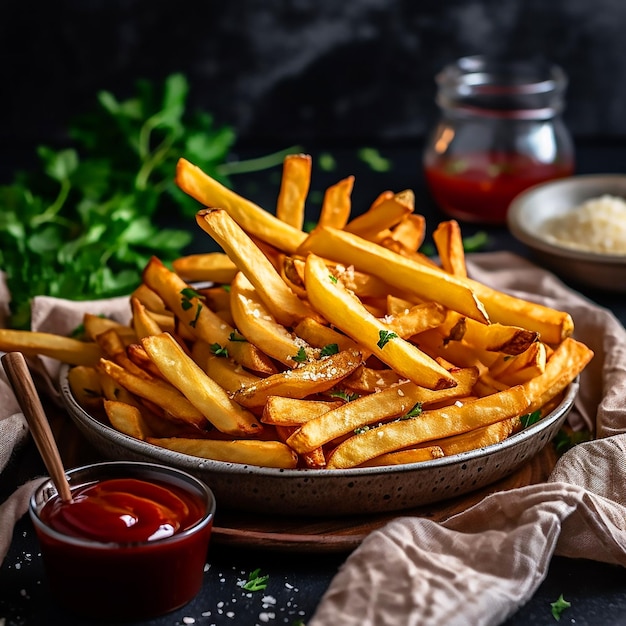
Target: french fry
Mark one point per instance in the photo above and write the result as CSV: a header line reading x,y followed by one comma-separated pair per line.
x,y
96,324
428,426
413,455
382,216
294,188
389,403
345,312
398,271
417,319
149,299
202,392
255,322
449,243
127,419
251,217
215,267
337,204
114,349
320,336
86,386
282,411
159,392
284,305
245,451
228,374
64,349
311,378
202,322
410,232
143,323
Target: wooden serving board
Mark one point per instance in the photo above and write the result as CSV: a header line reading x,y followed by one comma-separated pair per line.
x,y
311,534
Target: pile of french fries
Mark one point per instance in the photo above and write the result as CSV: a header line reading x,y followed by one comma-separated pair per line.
x,y
343,347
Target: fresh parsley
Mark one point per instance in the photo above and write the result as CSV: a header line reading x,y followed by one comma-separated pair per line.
x,y
301,356
374,159
186,303
530,418
344,395
565,439
235,336
218,350
384,336
83,223
331,348
559,606
414,412
256,582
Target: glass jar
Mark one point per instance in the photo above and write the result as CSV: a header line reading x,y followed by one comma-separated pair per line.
x,y
500,132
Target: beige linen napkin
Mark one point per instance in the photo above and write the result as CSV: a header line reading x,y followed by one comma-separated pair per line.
x,y
480,566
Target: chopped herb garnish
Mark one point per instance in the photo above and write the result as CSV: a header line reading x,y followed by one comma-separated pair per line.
x,y
218,350
385,336
301,357
476,242
255,581
326,162
226,288
235,336
333,279
331,348
414,412
187,294
565,440
374,159
559,606
361,429
530,418
344,395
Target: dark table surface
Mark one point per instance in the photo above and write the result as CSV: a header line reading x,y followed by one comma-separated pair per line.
x,y
297,581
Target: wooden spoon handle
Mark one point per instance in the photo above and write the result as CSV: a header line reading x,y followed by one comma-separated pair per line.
x,y
21,380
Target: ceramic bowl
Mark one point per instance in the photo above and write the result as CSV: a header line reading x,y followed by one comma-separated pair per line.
x,y
530,209
310,492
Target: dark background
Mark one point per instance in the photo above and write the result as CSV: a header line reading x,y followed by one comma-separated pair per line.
x,y
300,71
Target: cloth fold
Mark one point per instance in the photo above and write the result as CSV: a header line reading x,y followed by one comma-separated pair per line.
x,y
480,566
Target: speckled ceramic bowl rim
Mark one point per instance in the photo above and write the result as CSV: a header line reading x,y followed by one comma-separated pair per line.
x,y
192,462
596,184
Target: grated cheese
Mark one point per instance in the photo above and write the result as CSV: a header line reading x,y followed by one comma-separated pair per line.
x,y
597,225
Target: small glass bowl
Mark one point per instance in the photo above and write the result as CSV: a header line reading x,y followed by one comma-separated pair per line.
x,y
125,581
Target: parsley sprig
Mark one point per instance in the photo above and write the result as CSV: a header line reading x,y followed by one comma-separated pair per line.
x,y
256,582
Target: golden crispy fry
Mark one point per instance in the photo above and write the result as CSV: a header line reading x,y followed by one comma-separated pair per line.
x,y
86,386
410,232
428,426
127,419
525,366
96,324
257,324
320,336
417,319
413,455
449,243
140,358
114,349
337,204
228,374
315,459
158,392
281,411
215,267
283,304
389,403
345,312
143,323
311,378
204,393
398,271
553,326
565,363
246,451
252,218
361,284
216,298
150,299
200,320
480,437
370,380
382,216
63,349
294,188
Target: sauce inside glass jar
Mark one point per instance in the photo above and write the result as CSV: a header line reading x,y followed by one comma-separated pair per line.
x,y
500,132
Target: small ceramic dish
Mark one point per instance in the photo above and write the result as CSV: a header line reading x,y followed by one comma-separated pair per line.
x,y
529,211
312,492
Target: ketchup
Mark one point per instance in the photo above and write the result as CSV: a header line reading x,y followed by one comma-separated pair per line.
x,y
479,187
126,547
123,510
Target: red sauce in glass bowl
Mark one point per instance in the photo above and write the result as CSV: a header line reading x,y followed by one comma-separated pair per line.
x,y
126,547
479,187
